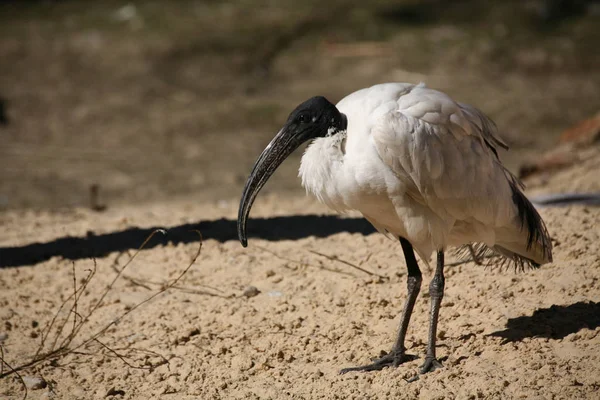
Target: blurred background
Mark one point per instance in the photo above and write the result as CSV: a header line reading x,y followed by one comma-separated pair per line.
x,y
146,101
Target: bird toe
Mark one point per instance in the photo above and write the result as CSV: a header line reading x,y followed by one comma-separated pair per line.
x,y
430,365
392,359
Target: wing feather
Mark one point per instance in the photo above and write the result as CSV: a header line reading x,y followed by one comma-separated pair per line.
x,y
446,153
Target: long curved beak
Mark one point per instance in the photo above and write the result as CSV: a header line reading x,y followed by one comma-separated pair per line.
x,y
282,145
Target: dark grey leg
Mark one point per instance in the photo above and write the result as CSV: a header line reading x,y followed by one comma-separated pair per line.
x,y
397,355
413,284
436,292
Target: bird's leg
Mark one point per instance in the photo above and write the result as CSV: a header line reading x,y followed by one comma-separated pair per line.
x,y
436,292
413,285
398,353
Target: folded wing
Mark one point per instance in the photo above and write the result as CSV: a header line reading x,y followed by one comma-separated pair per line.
x,y
446,155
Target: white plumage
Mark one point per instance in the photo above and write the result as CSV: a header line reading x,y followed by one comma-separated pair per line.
x,y
421,168
416,164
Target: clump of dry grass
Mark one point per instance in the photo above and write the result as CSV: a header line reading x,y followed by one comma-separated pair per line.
x,y
63,334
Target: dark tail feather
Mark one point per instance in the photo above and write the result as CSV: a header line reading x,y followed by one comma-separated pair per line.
x,y
537,250
538,238
494,257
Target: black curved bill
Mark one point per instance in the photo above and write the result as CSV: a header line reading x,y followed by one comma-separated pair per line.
x,y
282,145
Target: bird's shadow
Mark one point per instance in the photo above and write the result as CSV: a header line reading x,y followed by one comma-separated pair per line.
x,y
554,322
273,229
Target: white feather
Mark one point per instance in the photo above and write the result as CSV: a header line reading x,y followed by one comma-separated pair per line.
x,y
415,163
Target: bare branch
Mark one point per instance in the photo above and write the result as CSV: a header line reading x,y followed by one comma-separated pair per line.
x,y
12,370
336,258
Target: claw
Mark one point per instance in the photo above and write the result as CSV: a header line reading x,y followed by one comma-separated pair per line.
x,y
393,359
430,365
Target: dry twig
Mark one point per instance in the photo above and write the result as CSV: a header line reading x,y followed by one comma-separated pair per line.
x,y
12,370
301,263
336,258
66,346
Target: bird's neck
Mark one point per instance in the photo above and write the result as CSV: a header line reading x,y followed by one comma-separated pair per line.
x,y
320,165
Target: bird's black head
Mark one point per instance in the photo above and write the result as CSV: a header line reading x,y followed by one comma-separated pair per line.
x,y
314,118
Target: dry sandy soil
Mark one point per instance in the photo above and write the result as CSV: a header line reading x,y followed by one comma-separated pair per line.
x,y
154,104
502,334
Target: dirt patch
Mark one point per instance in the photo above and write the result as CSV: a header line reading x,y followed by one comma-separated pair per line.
x,y
309,317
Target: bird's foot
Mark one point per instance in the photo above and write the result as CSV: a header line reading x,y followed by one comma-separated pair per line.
x,y
430,365
392,359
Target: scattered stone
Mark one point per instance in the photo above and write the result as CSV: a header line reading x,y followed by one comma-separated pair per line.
x,y
280,355
115,392
251,291
242,363
270,273
34,382
136,337
169,389
3,337
186,338
194,332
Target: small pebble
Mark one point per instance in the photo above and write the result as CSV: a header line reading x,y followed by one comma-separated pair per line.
x,y
251,291
242,363
34,382
3,337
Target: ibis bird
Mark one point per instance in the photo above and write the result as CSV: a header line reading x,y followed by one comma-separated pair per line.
x,y
421,168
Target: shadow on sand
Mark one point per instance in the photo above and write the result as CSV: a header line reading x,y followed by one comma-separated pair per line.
x,y
555,322
277,228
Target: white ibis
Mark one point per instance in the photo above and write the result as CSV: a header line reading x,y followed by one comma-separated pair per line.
x,y
420,167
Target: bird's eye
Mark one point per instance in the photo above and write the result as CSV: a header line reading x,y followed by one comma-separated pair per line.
x,y
303,118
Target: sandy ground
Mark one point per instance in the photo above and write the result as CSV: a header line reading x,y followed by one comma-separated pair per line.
x,y
502,334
